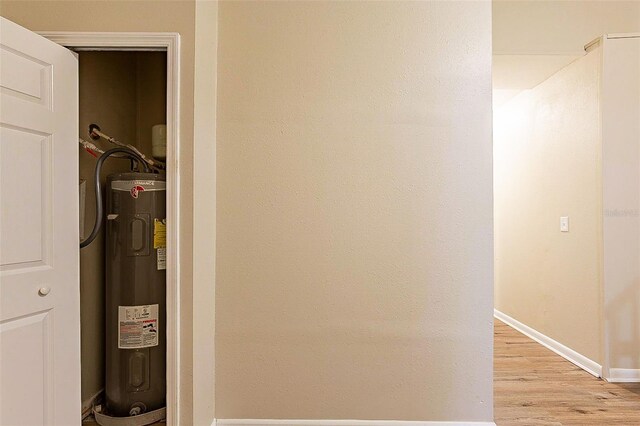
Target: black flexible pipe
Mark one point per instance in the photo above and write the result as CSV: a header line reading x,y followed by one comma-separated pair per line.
x,y
99,209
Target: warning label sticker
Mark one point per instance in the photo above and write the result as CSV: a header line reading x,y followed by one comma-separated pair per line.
x,y
162,259
159,233
137,326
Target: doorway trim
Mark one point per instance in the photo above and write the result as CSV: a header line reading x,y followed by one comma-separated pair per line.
x,y
136,41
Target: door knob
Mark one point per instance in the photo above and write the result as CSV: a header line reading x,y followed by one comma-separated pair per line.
x,y
44,291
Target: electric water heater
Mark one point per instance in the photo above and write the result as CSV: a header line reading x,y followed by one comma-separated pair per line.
x,y
135,378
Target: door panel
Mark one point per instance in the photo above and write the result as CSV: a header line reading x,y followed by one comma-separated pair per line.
x,y
32,333
23,151
39,242
25,77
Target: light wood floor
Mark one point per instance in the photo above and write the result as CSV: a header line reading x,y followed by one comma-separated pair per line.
x,y
534,386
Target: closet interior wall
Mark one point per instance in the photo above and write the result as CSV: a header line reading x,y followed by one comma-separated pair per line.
x,y
124,92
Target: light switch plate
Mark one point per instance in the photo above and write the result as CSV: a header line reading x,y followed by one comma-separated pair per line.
x,y
564,223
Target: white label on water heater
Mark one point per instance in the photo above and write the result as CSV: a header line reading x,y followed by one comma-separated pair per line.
x,y
162,259
137,326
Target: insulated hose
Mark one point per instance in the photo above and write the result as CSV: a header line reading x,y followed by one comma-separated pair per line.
x,y
99,209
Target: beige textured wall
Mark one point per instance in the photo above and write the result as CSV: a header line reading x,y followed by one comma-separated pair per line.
x,y
140,15
151,95
547,162
621,182
204,210
354,217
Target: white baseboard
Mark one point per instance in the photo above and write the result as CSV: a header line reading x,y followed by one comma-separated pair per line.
x,y
273,422
567,353
624,375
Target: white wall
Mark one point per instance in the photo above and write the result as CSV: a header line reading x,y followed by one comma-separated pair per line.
x,y
621,197
547,150
354,251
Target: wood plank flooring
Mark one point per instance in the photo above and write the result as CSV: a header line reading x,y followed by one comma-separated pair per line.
x,y
534,386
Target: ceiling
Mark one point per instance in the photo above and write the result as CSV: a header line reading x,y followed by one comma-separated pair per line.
x,y
533,39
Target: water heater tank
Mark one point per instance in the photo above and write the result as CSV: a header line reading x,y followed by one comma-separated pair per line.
x,y
135,379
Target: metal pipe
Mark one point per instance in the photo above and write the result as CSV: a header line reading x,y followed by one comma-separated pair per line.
x,y
99,209
95,132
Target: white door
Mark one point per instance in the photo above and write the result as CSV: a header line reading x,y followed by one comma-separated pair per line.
x,y
39,290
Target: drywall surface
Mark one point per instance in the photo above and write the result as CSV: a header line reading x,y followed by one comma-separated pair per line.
x,y
547,162
140,16
354,217
151,96
204,210
621,198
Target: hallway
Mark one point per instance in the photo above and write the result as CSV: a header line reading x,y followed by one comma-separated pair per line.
x,y
534,386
